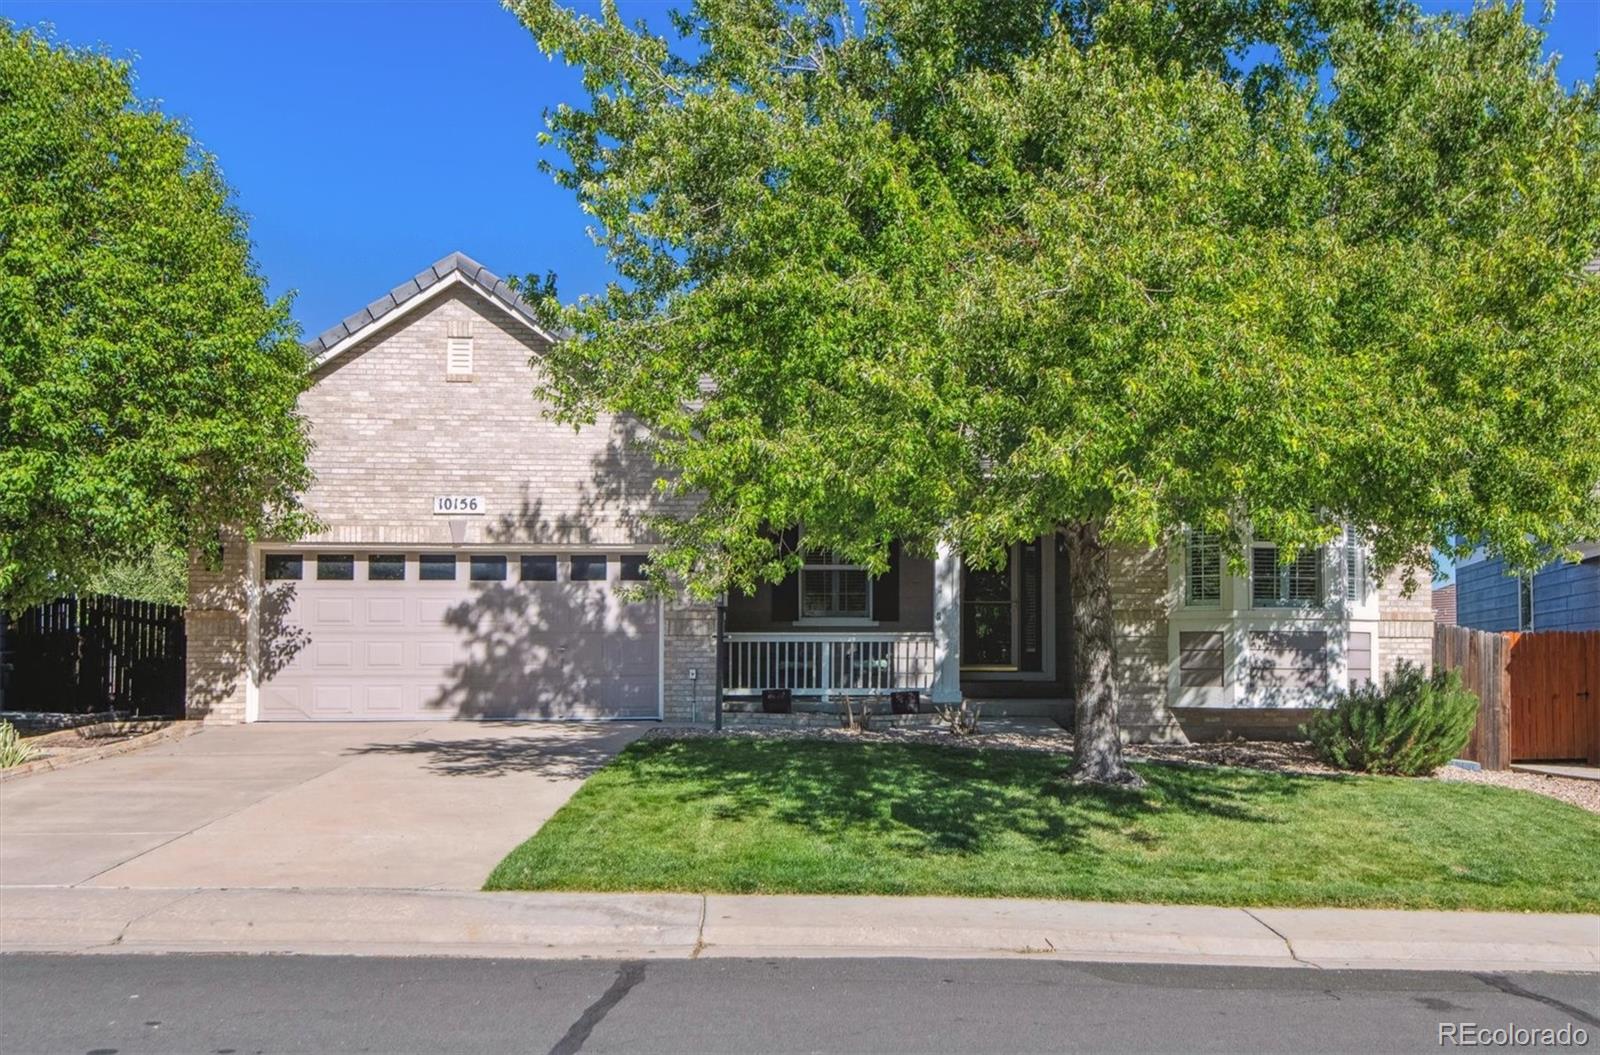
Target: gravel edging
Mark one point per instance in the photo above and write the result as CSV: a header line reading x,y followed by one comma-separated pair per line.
x,y
1270,756
176,730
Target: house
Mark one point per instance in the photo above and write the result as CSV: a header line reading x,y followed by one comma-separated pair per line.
x,y
1444,605
1563,595
474,558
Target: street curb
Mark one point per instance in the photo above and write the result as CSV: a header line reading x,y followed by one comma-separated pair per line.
x,y
389,922
177,730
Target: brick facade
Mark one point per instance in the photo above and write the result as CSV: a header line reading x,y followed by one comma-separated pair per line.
x,y
1142,602
1405,624
216,627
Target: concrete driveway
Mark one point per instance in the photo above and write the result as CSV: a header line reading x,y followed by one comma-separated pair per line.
x,y
401,805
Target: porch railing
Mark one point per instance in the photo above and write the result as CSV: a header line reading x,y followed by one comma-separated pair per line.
x,y
823,663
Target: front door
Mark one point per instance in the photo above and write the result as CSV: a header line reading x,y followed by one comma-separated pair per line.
x,y
1002,610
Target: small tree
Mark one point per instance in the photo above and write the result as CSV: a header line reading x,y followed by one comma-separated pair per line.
x,y
969,272
147,384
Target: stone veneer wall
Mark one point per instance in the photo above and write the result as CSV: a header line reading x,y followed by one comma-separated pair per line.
x,y
1405,624
1141,602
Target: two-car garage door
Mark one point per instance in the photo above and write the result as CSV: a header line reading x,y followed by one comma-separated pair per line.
x,y
391,635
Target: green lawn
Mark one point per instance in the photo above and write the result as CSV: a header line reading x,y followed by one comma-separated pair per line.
x,y
809,816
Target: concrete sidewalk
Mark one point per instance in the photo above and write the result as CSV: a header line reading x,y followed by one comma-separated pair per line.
x,y
639,926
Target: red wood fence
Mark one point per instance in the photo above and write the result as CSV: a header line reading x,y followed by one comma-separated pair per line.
x,y
1539,693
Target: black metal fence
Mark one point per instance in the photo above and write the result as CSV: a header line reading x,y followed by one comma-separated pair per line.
x,y
79,655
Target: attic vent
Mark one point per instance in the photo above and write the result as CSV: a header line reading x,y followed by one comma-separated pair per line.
x,y
458,328
458,356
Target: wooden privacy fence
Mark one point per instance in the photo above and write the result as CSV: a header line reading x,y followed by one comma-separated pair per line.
x,y
1539,692
85,654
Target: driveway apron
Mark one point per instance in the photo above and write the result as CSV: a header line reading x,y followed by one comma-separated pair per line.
x,y
396,805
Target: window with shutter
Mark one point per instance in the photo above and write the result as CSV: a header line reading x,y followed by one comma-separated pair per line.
x,y
1355,569
1297,584
833,589
1203,588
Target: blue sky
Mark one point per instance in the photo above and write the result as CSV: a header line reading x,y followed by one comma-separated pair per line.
x,y
367,139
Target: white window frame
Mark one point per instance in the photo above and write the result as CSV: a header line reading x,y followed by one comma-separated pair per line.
x,y
1315,555
1206,546
834,570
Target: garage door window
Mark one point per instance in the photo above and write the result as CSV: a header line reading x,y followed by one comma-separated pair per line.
x,y
283,566
386,567
538,567
436,567
488,569
589,569
633,567
336,566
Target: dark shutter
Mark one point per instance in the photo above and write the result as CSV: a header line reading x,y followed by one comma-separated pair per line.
x,y
1031,604
886,589
786,594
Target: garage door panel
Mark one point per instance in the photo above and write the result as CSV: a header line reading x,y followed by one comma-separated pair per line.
x,y
333,698
336,611
353,649
333,656
385,654
386,700
386,611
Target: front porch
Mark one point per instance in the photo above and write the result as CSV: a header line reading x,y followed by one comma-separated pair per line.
x,y
936,631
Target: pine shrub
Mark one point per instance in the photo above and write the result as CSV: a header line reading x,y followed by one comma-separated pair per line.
x,y
1411,725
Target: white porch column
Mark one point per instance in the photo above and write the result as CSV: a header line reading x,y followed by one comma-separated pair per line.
x,y
946,624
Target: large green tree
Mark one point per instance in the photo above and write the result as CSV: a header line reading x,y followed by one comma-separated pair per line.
x,y
147,383
962,271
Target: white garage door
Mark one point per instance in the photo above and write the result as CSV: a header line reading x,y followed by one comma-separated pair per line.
x,y
390,635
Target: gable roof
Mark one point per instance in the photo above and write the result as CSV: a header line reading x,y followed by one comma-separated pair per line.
x,y
457,269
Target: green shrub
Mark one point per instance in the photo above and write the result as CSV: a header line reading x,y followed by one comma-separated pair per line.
x,y
1411,725
13,749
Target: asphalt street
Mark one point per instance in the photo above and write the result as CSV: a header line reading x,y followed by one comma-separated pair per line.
x,y
233,1005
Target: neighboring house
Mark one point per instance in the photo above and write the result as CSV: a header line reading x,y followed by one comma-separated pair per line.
x,y
1444,605
1560,596
475,557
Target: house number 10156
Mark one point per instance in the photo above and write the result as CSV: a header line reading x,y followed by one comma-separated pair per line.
x,y
458,505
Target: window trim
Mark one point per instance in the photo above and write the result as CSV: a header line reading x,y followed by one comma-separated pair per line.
x,y
834,569
1284,576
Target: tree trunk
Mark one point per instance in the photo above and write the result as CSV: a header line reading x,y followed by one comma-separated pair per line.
x,y
1098,756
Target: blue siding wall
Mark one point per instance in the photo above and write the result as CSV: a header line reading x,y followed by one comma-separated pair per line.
x,y
1486,598
1565,597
